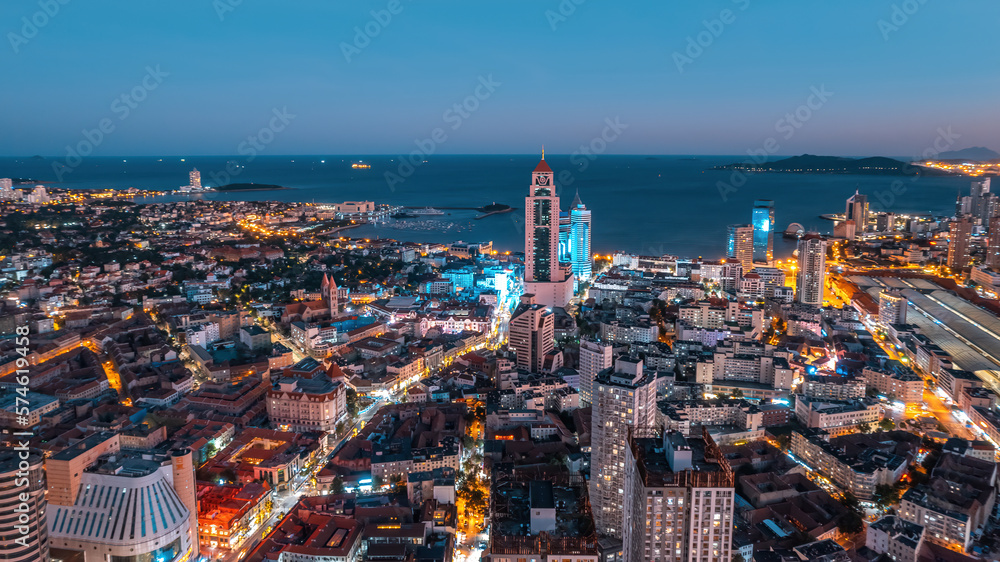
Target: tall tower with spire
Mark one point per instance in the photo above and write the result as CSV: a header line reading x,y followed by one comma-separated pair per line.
x,y
541,218
544,275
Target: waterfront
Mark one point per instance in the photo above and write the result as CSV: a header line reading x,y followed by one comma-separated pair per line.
x,y
672,203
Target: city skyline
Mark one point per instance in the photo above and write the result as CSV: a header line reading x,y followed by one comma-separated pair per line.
x,y
272,287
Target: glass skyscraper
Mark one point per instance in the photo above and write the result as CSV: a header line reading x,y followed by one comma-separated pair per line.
x,y
579,236
763,230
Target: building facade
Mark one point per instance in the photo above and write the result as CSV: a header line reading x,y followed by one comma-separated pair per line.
x,y
763,231
532,333
740,244
812,270
624,397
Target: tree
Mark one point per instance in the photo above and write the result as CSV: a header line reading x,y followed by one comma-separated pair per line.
x,y
377,482
851,502
337,486
864,428
352,402
887,424
885,496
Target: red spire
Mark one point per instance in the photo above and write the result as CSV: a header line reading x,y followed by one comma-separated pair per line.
x,y
543,166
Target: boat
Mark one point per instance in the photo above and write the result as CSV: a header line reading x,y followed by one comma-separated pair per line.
x,y
361,166
426,211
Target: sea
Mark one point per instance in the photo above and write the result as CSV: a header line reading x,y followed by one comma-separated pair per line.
x,y
640,204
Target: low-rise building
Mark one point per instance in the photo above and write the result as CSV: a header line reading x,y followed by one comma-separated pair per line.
x,y
307,404
837,417
957,500
900,539
898,383
857,463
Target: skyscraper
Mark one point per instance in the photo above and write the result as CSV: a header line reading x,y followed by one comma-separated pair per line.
x,y
891,308
763,230
565,243
532,333
812,269
22,518
679,499
857,211
993,250
595,356
739,244
979,197
958,242
544,276
624,397
580,257
194,176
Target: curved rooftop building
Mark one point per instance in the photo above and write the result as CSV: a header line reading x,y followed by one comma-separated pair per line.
x,y
127,510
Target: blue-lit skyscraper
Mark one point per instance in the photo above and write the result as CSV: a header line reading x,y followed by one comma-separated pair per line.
x,y
579,236
763,230
565,244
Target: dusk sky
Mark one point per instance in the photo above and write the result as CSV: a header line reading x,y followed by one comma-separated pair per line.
x,y
556,78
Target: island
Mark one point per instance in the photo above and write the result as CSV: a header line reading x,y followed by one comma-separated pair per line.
x,y
249,187
811,164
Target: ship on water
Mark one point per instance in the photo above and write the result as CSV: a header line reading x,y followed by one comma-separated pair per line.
x,y
426,211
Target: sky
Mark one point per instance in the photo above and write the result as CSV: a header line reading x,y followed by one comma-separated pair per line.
x,y
212,77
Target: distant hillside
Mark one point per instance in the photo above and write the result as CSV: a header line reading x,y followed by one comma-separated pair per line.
x,y
811,164
249,187
975,153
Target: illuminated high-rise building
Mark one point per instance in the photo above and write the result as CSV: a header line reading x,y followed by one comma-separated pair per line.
x,y
891,308
763,230
565,244
22,507
580,258
857,211
993,248
679,499
595,356
812,270
194,176
979,197
624,397
739,244
958,242
544,276
532,333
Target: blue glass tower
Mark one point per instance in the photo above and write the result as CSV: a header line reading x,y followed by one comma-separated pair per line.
x,y
580,258
763,230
